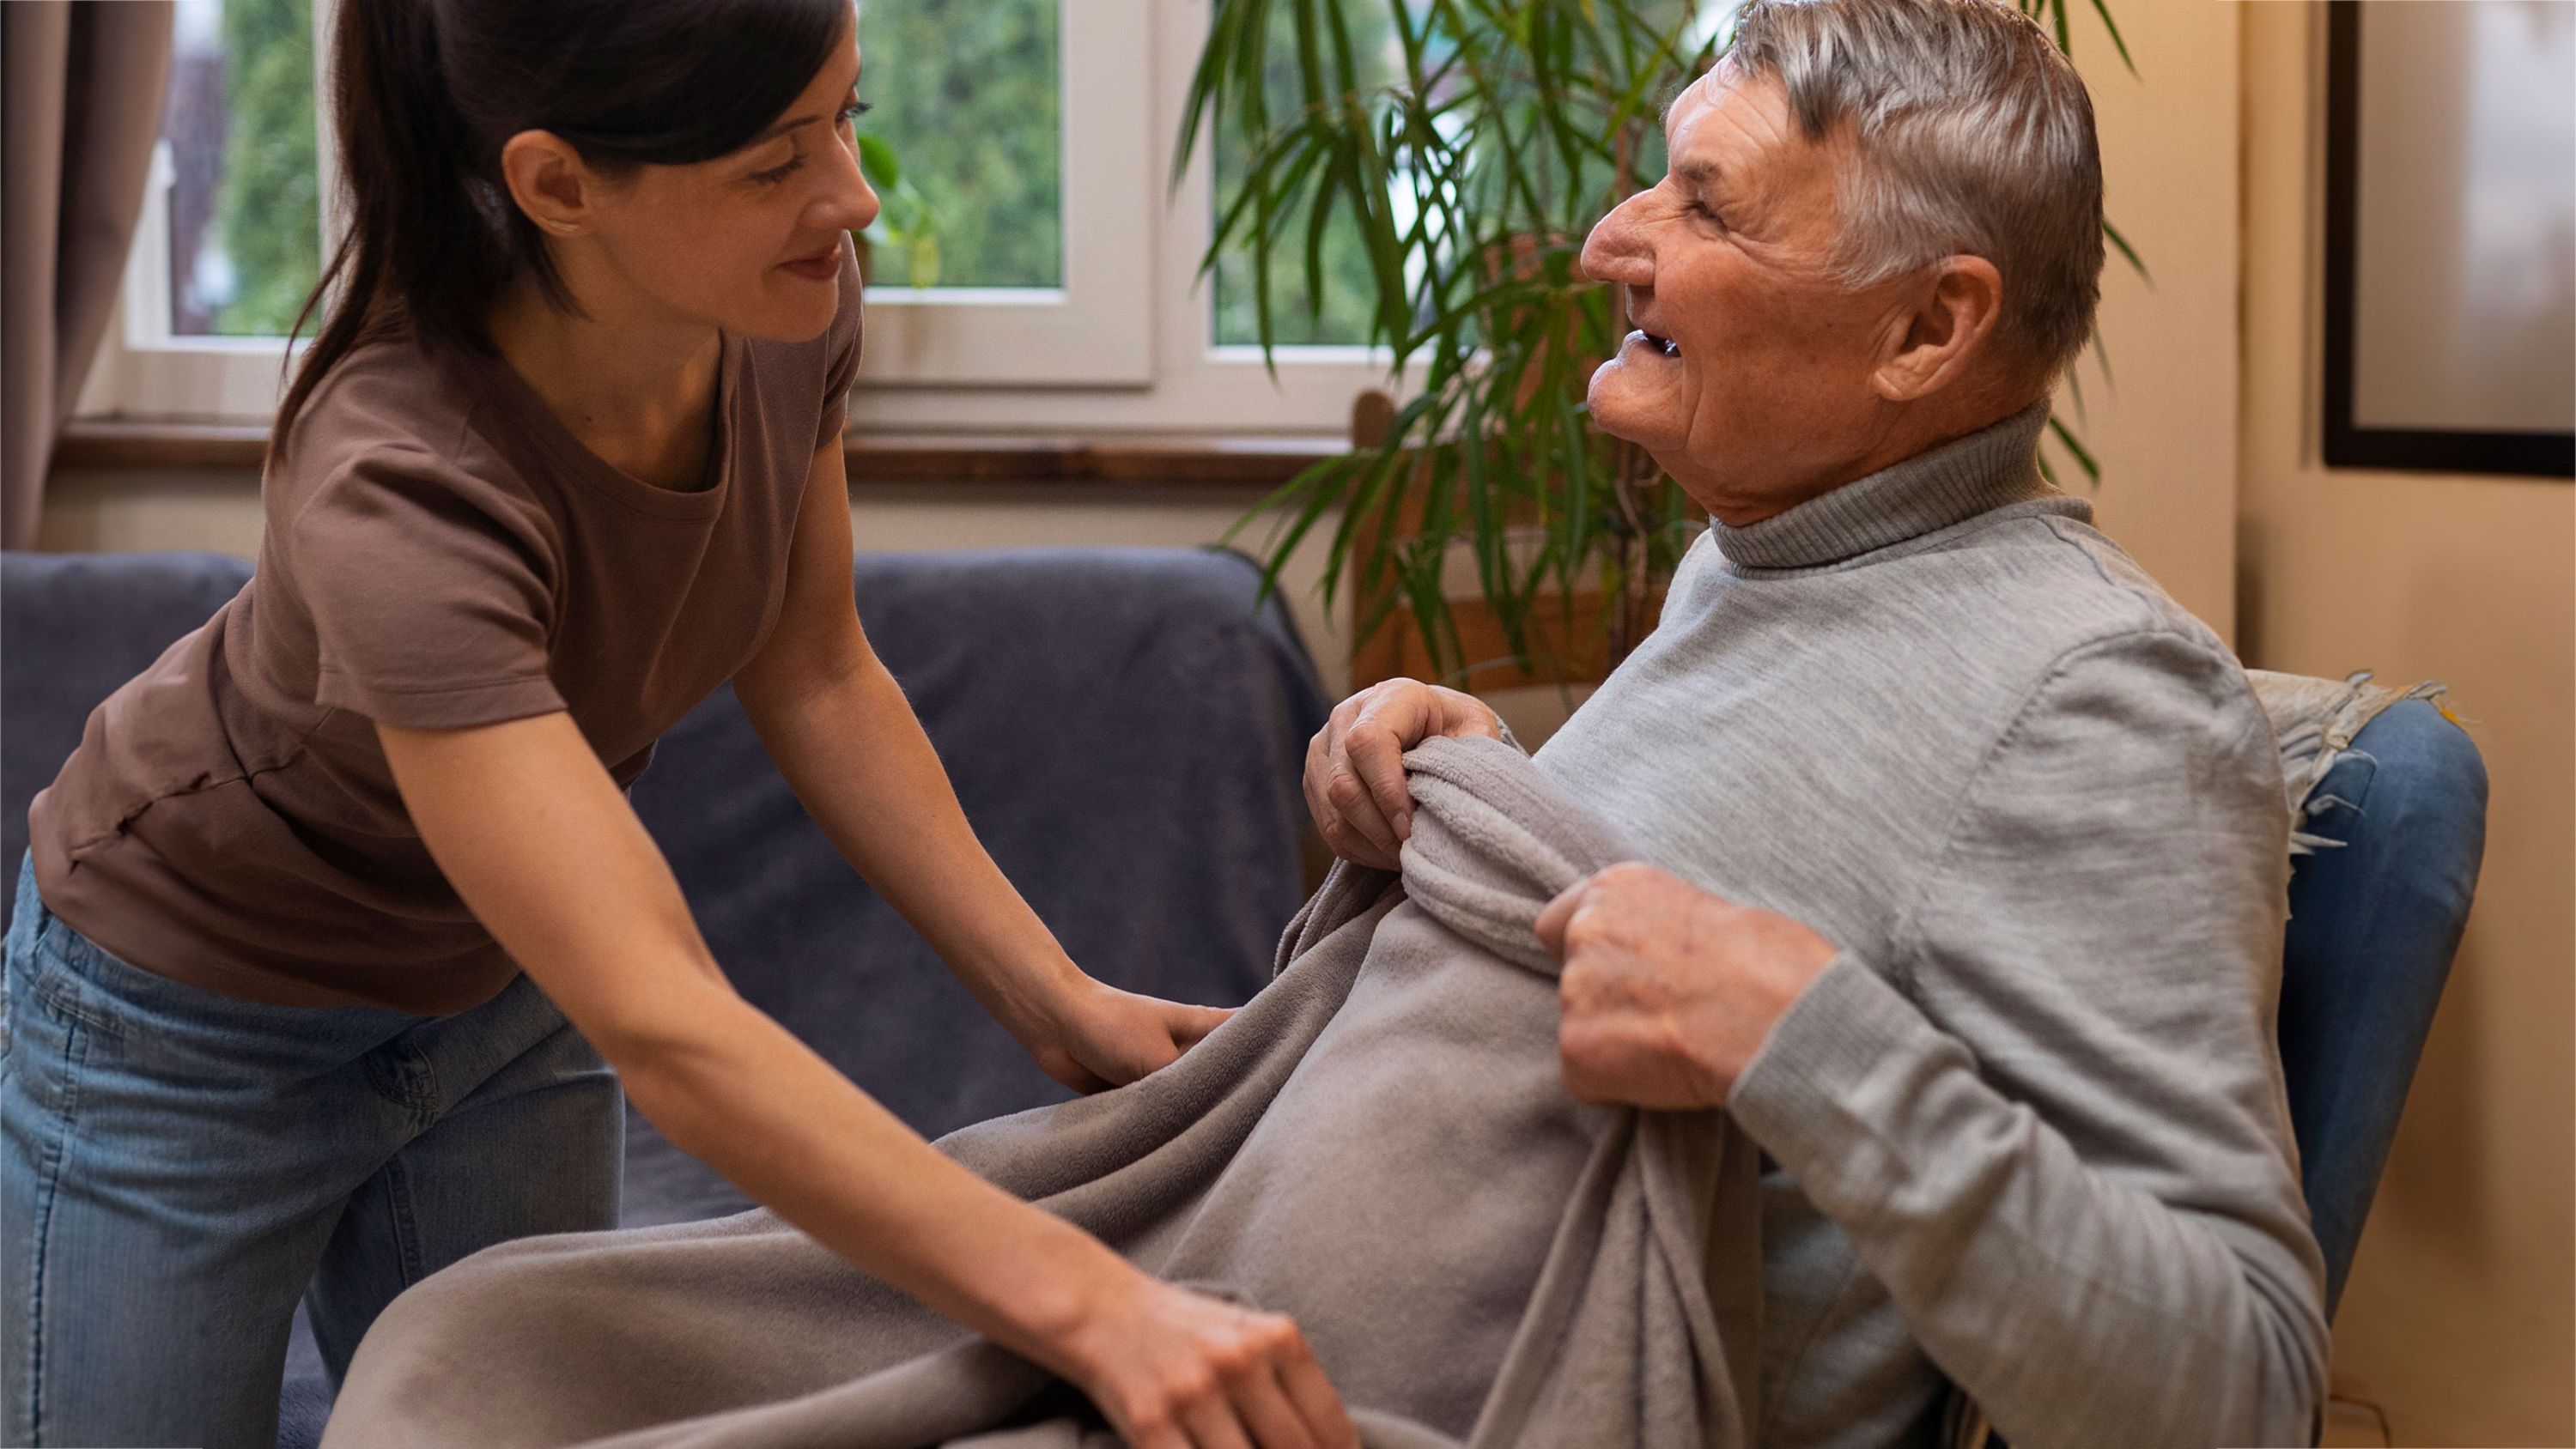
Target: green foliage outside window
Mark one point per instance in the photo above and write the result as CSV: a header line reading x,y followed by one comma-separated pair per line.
x,y
966,91
269,212
1299,316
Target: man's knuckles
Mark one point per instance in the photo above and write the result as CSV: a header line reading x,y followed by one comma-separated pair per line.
x,y
1344,789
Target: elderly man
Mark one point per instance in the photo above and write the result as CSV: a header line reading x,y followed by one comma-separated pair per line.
x,y
1968,845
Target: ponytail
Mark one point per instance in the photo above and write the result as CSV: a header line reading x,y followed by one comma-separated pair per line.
x,y
425,92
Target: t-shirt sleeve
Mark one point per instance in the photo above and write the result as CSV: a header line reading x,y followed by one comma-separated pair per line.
x,y
430,609
842,341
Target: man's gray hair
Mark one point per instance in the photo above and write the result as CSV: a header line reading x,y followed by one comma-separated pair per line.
x,y
1970,133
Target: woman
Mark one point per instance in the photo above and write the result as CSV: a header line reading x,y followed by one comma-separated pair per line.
x,y
563,457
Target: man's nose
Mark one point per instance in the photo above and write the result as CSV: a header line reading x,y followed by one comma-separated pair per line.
x,y
1616,250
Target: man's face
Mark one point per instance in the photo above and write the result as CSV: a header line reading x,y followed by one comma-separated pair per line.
x,y
1749,377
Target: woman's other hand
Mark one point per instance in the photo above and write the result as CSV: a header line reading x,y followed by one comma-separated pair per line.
x,y
1174,1369
1097,1036
1355,765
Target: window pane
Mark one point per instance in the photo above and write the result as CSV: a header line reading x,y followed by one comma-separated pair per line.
x,y
245,221
967,93
1378,58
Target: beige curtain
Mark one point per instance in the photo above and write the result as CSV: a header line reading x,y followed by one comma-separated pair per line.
x,y
80,108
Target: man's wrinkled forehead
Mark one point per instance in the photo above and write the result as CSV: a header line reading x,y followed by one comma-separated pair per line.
x,y
1688,96
1725,120
1691,142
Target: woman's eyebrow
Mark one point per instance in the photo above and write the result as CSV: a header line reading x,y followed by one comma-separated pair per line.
x,y
792,122
781,129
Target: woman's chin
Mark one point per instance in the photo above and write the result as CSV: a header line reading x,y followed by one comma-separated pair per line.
x,y
798,315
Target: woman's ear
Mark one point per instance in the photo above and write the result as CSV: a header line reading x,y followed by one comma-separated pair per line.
x,y
1946,333
549,182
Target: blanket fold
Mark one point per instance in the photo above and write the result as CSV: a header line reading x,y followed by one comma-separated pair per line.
x,y
1379,1144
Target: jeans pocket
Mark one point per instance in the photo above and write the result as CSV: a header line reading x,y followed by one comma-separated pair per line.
x,y
57,979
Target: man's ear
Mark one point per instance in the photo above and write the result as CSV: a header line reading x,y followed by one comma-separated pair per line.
x,y
1946,332
548,181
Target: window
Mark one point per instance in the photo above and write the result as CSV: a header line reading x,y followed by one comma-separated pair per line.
x,y
239,211
230,238
1055,288
966,91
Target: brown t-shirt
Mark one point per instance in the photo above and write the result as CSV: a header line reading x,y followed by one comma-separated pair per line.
x,y
440,552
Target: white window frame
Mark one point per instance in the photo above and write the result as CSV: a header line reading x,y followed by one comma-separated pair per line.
x,y
1125,345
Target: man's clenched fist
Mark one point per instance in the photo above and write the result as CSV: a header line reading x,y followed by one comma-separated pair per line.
x,y
1667,990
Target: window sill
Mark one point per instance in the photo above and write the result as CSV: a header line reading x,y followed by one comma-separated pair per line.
x,y
1106,459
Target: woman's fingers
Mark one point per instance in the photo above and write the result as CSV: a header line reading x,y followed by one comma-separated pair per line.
x,y
1212,1424
1191,1024
1175,1369
1302,1382
1267,1411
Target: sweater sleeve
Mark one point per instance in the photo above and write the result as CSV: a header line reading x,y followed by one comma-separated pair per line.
x,y
2055,1128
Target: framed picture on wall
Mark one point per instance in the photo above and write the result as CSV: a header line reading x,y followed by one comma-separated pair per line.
x,y
2450,266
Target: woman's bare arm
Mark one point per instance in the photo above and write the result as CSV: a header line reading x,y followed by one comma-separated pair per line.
x,y
850,746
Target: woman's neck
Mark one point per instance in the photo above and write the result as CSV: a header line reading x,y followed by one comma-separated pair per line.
x,y
639,392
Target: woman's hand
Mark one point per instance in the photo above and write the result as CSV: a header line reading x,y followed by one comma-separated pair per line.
x,y
1355,765
1175,1369
1095,1036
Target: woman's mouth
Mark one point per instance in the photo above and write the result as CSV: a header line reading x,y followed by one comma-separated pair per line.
x,y
823,266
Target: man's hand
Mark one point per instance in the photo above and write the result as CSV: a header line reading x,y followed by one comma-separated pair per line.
x,y
1668,991
1355,765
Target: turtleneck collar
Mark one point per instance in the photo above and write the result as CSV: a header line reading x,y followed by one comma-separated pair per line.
x,y
1951,483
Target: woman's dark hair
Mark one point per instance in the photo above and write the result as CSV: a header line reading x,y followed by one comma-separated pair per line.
x,y
425,92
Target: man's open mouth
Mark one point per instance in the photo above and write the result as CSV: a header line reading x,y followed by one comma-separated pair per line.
x,y
1664,345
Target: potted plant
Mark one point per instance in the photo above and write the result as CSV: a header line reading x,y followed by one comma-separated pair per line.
x,y
1465,159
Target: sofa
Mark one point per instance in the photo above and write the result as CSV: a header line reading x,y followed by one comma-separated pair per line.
x,y
1125,729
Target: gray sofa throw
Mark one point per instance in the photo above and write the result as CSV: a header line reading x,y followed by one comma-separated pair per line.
x,y
1379,1144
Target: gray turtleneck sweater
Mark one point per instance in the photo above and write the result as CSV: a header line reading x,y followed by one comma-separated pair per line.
x,y
2027,1133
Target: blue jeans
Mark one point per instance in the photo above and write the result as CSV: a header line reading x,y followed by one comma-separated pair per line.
x,y
179,1167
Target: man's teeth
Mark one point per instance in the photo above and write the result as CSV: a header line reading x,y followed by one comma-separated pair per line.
x,y
1664,345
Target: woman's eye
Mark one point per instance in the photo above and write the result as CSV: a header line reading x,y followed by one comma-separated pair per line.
x,y
850,113
776,174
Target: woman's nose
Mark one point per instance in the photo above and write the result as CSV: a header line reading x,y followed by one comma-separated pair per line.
x,y
846,201
1616,250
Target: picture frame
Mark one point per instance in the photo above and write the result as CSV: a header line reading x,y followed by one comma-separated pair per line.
x,y
2350,439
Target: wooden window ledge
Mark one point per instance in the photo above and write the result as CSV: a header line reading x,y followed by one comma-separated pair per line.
x,y
1144,460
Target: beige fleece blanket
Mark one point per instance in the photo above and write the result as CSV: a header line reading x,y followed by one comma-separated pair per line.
x,y
1378,1144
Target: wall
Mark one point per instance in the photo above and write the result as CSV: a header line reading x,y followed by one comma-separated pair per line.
x,y
2163,423
2457,1322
